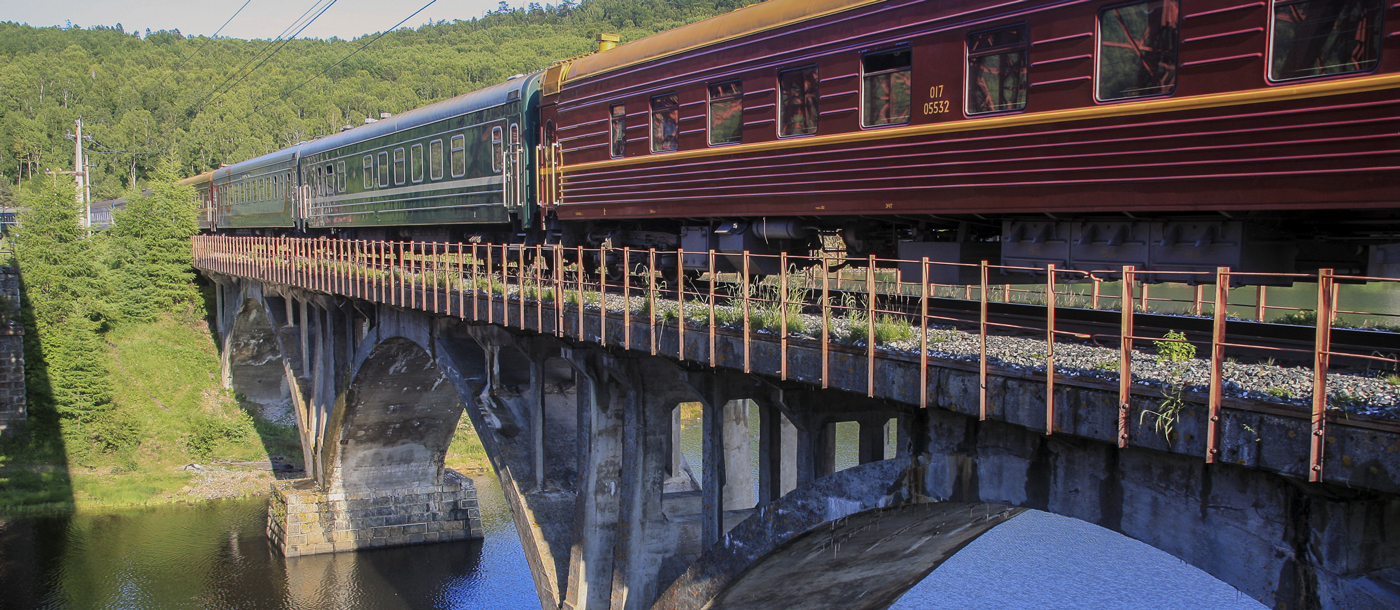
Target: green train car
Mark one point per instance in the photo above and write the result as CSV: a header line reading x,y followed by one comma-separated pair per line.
x,y
455,168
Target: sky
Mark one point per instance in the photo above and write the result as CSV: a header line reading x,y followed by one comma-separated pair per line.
x,y
261,19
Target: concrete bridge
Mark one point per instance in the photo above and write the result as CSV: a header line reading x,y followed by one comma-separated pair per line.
x,y
578,409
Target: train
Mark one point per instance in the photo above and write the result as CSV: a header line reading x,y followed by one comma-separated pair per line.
x,y
1171,135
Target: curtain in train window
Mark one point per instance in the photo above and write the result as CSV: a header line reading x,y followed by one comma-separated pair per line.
x,y
435,159
886,90
369,172
1321,37
400,166
996,70
1138,49
339,177
383,159
798,93
415,162
330,180
727,113
459,156
665,123
617,130
498,149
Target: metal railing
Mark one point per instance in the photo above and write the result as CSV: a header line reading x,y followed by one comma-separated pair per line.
x,y
805,300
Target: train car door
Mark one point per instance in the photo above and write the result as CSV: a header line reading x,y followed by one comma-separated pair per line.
x,y
513,170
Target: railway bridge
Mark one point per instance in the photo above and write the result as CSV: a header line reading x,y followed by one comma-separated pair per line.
x,y
575,388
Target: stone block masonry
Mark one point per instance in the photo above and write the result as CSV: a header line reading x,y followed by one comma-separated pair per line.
x,y
304,520
13,411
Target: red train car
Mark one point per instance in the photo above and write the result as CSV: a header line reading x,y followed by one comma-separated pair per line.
x,y
1167,134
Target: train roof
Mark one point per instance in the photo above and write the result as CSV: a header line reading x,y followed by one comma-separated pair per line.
x,y
192,180
741,22
285,155
486,97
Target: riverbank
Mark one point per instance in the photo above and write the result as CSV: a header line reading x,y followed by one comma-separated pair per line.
x,y
180,437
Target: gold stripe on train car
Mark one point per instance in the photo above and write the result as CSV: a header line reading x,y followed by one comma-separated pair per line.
x,y
1199,102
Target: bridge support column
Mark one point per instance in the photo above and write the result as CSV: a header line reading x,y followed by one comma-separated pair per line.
x,y
304,520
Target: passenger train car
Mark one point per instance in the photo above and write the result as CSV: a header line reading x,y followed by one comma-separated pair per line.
x,y
1166,134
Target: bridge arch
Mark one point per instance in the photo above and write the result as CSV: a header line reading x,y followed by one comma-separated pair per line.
x,y
400,411
254,364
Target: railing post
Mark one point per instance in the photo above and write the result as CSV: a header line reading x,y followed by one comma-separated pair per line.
x,y
1096,283
782,316
746,288
1322,356
680,303
651,297
490,286
539,290
1217,360
476,313
603,295
826,316
1125,354
982,346
713,281
558,290
627,297
1261,302
923,333
870,310
1050,303
578,290
1196,302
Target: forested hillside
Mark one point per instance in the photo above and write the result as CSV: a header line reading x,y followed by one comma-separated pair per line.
x,y
205,102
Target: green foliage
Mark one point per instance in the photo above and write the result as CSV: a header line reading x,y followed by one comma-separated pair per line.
x,y
1173,348
151,249
1173,351
1279,393
209,432
139,95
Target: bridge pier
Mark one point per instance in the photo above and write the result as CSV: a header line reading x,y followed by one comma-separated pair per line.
x,y
585,442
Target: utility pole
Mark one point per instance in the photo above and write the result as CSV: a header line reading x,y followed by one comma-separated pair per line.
x,y
79,172
82,188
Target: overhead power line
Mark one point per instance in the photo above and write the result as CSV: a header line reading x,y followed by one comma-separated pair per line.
x,y
323,72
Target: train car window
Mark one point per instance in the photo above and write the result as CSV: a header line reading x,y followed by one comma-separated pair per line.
x,y
497,149
514,133
331,179
415,162
797,105
549,134
885,87
382,161
617,130
340,176
665,123
400,167
1137,50
459,156
1312,38
727,113
368,172
435,159
996,70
